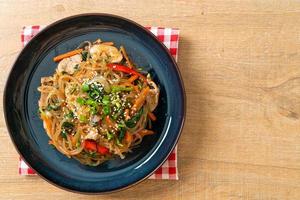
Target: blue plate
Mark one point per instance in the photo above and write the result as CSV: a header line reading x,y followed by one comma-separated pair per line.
x,y
26,129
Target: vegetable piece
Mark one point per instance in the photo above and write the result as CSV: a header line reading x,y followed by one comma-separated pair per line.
x,y
63,134
85,87
93,110
118,142
70,115
140,100
92,105
102,149
84,55
139,84
128,138
67,55
108,43
132,122
94,94
90,145
109,122
106,110
122,68
72,90
66,128
41,112
80,100
121,126
132,78
78,143
116,89
67,125
91,102
92,154
136,88
54,107
151,116
129,85
105,100
145,132
126,84
82,118
96,91
47,122
109,135
103,81
75,138
122,134
123,51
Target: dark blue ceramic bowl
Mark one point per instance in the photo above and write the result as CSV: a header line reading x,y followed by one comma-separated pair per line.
x,y
26,129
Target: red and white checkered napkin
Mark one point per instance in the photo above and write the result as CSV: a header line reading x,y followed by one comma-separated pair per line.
x,y
169,37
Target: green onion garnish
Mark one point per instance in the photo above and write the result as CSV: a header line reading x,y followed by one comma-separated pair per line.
x,y
81,101
82,118
105,100
106,110
85,87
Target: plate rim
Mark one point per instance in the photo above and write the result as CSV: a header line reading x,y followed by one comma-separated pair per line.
x,y
183,98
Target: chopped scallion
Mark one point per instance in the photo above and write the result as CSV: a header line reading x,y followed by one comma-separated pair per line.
x,y
105,100
82,118
81,101
106,110
85,87
109,135
115,89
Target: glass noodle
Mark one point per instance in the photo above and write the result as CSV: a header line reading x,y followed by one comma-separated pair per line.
x,y
97,105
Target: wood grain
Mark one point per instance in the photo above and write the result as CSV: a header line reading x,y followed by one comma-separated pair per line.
x,y
240,61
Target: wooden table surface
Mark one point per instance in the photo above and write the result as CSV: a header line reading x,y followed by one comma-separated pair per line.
x,y
240,61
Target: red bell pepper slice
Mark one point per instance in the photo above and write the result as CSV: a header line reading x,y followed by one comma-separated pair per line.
x,y
90,145
102,150
122,68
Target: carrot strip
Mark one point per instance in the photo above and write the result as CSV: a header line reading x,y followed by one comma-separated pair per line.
x,y
140,100
136,88
108,43
109,122
47,123
128,138
132,78
127,84
67,55
123,51
145,132
151,116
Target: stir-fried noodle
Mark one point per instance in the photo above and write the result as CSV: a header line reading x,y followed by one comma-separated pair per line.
x,y
97,104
